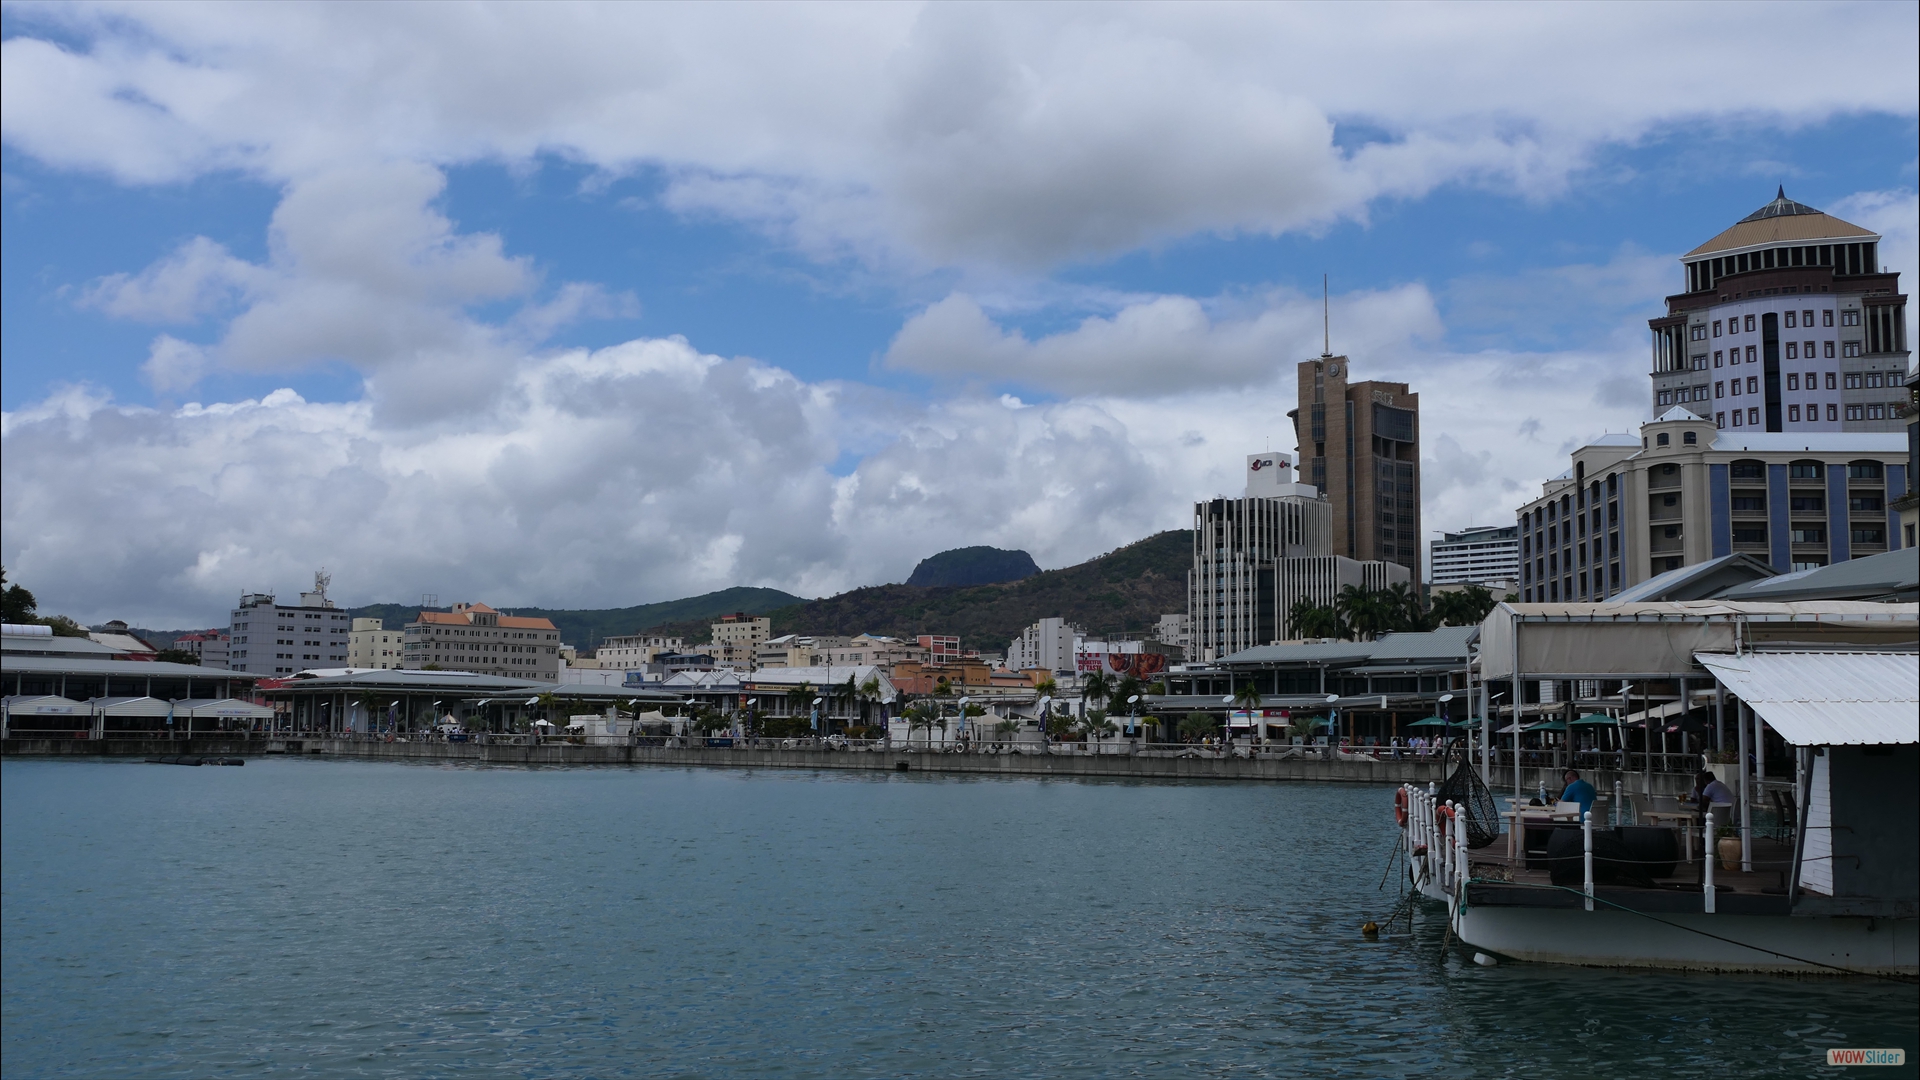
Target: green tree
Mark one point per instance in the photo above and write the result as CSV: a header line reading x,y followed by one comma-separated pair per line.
x,y
1468,607
17,603
1310,620
1197,726
176,656
1095,688
1247,697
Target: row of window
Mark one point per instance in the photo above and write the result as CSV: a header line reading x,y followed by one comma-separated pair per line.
x,y
1755,533
1811,503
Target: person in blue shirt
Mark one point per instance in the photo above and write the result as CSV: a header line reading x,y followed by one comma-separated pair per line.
x,y
1577,791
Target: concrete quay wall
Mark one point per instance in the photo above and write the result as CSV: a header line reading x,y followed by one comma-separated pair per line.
x,y
1405,770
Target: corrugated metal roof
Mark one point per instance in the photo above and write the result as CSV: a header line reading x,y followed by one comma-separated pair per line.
x,y
28,664
1888,574
1827,698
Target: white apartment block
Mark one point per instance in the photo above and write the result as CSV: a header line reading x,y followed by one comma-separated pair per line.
x,y
1685,492
797,651
1049,644
476,638
1475,555
372,646
632,652
870,650
1789,324
269,638
1173,629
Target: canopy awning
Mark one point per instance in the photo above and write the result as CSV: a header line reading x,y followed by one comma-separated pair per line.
x,y
1827,698
222,709
1595,719
1651,640
132,706
30,705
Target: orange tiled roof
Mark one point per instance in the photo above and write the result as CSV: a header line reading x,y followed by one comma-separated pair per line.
x,y
511,622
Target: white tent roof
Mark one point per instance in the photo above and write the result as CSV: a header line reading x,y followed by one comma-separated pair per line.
x,y
29,705
1827,698
205,708
131,706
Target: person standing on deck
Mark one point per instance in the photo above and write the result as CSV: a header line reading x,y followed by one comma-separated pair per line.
x,y
1577,791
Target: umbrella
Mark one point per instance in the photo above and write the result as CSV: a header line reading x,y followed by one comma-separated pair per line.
x,y
1431,721
1547,725
1595,719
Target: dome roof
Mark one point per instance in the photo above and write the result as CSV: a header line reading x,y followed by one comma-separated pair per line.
x,y
1781,221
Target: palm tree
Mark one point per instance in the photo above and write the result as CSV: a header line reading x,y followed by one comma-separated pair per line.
x,y
1046,687
1363,611
922,714
1095,688
869,694
1404,609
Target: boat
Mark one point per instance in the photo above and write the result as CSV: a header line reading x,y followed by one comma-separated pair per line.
x,y
1831,887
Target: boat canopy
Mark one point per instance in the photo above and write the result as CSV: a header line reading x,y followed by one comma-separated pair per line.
x,y
1828,698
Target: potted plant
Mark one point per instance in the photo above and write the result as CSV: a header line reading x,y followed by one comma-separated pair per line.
x,y
1728,846
1724,765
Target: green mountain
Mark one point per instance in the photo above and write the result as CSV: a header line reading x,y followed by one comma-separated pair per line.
x,y
973,566
1124,590
586,628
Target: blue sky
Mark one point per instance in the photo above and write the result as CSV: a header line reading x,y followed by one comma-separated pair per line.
x,y
652,302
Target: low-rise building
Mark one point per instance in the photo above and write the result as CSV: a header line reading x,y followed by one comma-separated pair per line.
x,y
478,639
373,647
1685,492
116,635
270,638
207,646
634,651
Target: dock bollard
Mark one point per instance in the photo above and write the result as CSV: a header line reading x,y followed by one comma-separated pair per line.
x,y
1586,829
1712,857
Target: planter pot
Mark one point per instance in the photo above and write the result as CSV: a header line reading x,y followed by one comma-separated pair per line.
x,y
1729,853
1726,774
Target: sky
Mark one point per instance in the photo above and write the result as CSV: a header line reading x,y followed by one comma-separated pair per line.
x,y
599,305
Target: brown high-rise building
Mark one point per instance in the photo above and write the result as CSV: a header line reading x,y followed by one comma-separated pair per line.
x,y
1360,443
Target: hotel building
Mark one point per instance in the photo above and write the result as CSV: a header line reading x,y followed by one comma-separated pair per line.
x,y
476,638
1359,443
1788,324
1476,555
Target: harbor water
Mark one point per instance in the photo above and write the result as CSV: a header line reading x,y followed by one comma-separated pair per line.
x,y
368,919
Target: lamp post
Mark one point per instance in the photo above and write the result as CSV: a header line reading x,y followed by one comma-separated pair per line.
x,y
1446,714
1133,716
1045,707
962,705
1333,723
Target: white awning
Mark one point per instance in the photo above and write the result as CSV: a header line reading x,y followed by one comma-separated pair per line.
x,y
1827,698
223,708
30,705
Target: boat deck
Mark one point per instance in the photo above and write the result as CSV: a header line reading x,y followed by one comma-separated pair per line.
x,y
1497,879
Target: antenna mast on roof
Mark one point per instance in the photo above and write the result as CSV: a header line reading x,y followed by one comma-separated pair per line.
x,y
1326,320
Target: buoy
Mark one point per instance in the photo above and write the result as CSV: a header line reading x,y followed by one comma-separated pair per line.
x,y
1484,960
1370,928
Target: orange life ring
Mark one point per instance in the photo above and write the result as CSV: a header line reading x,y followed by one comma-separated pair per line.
x,y
1400,807
1442,811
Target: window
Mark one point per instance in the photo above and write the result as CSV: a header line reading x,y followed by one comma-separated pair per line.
x,y
1670,500
1753,384
1752,353
1736,388
1719,389
1793,413
1749,324
1850,318
1853,380
1690,438
1869,535
1663,398
1752,501
1830,377
1717,354
1865,502
1806,318
1793,351
1753,417
1697,332
1806,349
1790,319
1875,412
1671,532
1829,350
1793,381
1750,534
1660,439
1720,420
1807,534
1850,348
1807,504
1826,317
1804,470
1739,417
1716,328
1833,414
1873,380
1700,362
1853,412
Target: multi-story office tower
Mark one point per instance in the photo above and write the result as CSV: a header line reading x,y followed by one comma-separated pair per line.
x,y
1360,444
1230,591
1788,324
475,637
371,645
736,636
1685,492
1476,555
267,638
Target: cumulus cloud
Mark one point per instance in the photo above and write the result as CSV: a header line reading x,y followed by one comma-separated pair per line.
x,y
1159,345
1012,136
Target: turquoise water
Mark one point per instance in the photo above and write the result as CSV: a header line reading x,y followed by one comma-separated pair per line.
x,y
342,919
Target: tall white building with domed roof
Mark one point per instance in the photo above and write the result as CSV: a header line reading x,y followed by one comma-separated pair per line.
x,y
1789,324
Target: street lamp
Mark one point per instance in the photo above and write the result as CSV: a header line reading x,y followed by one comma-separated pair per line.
x,y
1333,719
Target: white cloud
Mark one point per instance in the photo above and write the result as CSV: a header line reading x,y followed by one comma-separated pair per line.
x,y
198,278
1160,345
1009,136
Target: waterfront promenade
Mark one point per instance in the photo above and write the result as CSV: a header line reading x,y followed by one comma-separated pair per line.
x,y
1153,763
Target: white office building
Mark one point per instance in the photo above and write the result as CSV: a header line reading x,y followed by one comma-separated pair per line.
x,y
1788,324
1048,644
269,638
1476,555
371,645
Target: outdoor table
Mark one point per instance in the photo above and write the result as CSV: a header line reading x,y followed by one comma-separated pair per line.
x,y
1684,818
1518,817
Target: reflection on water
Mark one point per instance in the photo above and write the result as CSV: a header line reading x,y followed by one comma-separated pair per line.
x,y
357,919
